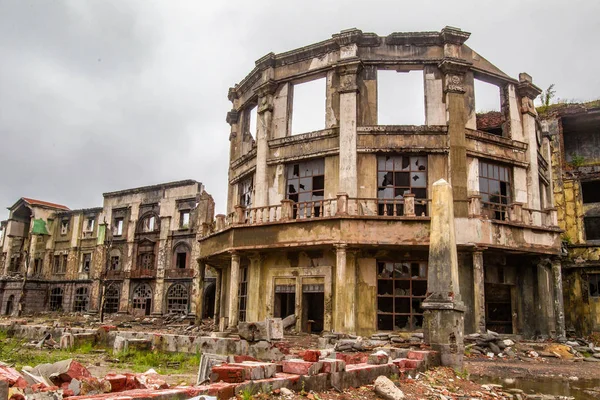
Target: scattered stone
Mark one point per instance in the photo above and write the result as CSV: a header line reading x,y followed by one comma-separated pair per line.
x,y
286,392
591,359
385,388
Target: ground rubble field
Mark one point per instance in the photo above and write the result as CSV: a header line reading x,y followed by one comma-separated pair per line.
x,y
496,366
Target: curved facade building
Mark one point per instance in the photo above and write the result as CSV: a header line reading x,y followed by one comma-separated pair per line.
x,y
332,225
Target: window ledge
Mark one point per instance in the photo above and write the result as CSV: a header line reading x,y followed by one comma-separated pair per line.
x,y
402,130
304,137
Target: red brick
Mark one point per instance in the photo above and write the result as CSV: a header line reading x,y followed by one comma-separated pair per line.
x,y
222,390
311,355
239,359
357,358
13,377
228,374
118,382
417,355
301,367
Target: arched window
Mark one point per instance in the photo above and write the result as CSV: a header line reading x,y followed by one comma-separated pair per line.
x,y
56,299
148,223
142,298
177,299
181,256
111,300
82,299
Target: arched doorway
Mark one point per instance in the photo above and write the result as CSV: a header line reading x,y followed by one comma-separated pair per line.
x,y
178,299
142,298
81,300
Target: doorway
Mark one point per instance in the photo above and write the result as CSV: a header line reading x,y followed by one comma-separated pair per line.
x,y
10,304
498,308
285,301
313,308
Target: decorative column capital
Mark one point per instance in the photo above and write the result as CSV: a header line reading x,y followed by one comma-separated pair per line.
x,y
233,117
452,35
454,74
340,247
232,94
347,72
528,92
265,96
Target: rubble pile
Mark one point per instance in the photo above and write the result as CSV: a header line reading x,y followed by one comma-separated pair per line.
x,y
492,344
349,343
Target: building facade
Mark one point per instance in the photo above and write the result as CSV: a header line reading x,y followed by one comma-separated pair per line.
x,y
332,224
139,249
574,130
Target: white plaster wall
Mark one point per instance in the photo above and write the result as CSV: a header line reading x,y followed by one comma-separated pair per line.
x,y
348,173
472,176
520,184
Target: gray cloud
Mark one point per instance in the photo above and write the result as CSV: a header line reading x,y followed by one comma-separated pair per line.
x,y
105,95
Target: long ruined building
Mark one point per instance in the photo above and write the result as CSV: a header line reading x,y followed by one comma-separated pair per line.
x,y
332,224
140,249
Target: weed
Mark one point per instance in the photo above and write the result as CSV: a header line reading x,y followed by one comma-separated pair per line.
x,y
247,393
394,377
163,363
464,374
302,391
577,160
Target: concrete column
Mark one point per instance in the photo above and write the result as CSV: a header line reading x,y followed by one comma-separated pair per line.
x,y
344,295
263,134
158,296
348,89
454,90
198,292
478,292
218,283
255,294
545,304
444,310
559,308
234,285
30,262
124,301
435,110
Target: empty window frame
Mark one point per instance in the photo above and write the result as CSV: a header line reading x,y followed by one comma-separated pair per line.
x,y
118,227
400,98
177,299
306,184
401,288
15,263
592,227
146,260
86,262
56,299
111,300
38,264
594,284
308,106
243,294
398,175
184,219
149,223
82,299
89,224
245,189
590,191
487,97
64,227
60,264
251,121
181,256
115,262
495,189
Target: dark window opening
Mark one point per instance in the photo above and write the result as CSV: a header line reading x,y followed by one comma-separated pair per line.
x,y
15,264
498,308
285,301
495,189
592,228
594,282
81,300
60,264
10,305
56,299
401,288
177,299
306,187
147,261
115,263
181,260
396,176
87,262
313,308
37,266
64,227
245,188
590,191
243,294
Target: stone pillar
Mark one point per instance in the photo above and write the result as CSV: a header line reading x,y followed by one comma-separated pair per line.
x,y
348,90
545,304
263,133
345,287
444,311
478,292
454,89
124,301
234,285
158,296
559,308
218,281
30,259
198,292
435,110
255,295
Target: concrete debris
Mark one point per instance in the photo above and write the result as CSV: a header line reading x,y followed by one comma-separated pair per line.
x,y
289,321
385,388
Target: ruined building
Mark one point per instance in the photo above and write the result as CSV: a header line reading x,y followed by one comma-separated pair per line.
x,y
332,224
574,131
140,248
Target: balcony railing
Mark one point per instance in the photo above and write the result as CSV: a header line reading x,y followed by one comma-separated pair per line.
x,y
142,273
514,212
179,273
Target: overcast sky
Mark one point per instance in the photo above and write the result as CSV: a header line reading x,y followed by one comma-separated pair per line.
x,y
98,96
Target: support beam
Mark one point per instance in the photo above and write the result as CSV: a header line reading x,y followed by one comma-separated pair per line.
x,y
254,289
545,304
234,286
559,308
345,286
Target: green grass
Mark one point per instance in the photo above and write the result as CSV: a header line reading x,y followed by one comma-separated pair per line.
x,y
141,361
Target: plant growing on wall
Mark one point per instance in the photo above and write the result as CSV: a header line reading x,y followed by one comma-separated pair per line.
x,y
576,160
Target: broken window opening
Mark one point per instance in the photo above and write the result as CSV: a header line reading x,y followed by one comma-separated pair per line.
x,y
111,300
146,261
594,282
142,298
56,299
89,227
590,191
487,97
401,288
118,227
243,294
400,98
60,264
285,301
149,224
308,108
245,189
495,189
398,175
306,187
82,299
177,299
184,219
37,266
15,263
87,262
64,227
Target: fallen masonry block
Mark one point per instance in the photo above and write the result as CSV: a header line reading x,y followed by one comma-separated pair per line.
x,y
274,328
256,370
61,371
356,358
393,352
13,377
123,344
311,355
301,367
228,374
378,358
253,331
288,321
151,380
385,388
332,366
430,358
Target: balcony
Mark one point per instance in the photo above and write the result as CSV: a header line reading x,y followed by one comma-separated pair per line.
x,y
142,273
179,273
115,274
